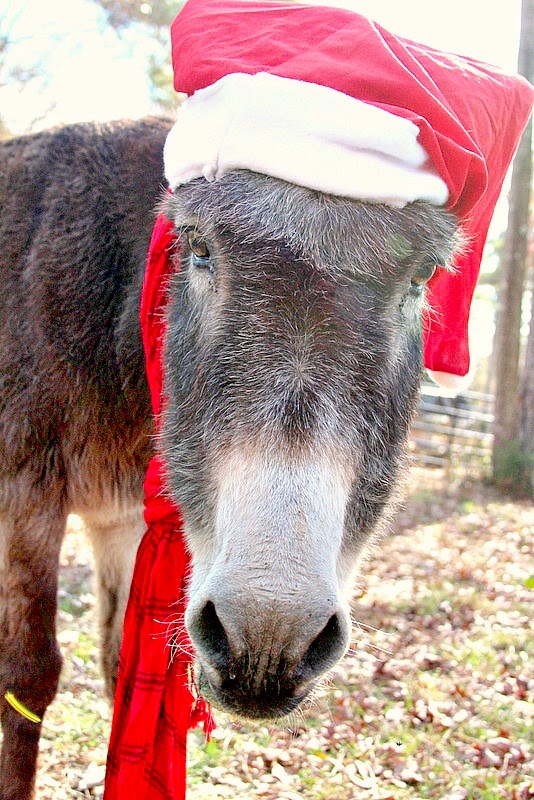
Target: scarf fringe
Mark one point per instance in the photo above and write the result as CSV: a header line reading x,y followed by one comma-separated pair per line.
x,y
154,706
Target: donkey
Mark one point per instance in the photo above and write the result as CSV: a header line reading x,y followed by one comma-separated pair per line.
x,y
292,366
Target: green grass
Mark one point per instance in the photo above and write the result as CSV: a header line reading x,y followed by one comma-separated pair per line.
x,y
466,603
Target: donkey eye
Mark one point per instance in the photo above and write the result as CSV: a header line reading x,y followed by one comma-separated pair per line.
x,y
199,248
423,274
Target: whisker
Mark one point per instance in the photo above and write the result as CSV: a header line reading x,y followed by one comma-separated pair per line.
x,y
364,644
174,631
361,624
178,618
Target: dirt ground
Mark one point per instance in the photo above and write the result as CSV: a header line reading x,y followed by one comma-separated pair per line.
x,y
434,700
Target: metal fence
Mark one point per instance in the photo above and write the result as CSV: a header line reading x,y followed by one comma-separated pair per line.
x,y
452,430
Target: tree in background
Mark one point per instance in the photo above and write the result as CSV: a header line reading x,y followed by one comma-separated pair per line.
x,y
3,45
11,74
158,13
526,395
156,16
513,448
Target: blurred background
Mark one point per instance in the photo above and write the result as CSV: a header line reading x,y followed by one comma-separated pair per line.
x,y
74,60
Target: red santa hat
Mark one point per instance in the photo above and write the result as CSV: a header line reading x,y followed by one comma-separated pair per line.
x,y
339,104
410,123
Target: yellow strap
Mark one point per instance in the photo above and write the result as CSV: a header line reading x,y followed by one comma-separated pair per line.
x,y
17,705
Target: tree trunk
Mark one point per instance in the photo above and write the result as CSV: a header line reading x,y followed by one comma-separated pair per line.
x,y
526,405
511,467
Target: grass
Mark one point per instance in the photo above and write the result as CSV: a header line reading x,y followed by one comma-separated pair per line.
x,y
433,703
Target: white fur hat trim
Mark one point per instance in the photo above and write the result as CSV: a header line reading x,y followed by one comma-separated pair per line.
x,y
303,133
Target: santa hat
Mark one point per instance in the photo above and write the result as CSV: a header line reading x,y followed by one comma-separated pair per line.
x,y
325,98
402,122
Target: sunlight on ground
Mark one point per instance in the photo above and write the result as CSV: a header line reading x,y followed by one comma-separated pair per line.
x,y
433,701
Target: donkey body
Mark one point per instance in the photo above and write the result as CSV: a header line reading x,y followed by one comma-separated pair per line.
x,y
292,367
75,427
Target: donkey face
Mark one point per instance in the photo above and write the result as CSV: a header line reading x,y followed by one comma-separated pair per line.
x,y
292,363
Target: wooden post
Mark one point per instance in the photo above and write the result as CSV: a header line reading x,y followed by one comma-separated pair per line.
x,y
508,458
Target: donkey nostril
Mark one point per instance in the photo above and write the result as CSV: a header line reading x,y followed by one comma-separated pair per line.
x,y
208,631
325,650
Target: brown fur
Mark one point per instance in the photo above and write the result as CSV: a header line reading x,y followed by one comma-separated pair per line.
x,y
75,427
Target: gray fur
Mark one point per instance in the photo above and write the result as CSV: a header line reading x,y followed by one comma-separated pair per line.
x,y
293,356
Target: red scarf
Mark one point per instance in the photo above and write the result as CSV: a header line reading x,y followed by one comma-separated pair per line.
x,y
154,707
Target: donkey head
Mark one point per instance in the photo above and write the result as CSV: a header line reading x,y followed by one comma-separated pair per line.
x,y
292,364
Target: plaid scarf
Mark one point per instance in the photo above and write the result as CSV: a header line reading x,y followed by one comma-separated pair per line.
x,y
154,707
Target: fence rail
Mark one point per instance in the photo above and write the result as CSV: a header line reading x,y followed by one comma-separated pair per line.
x,y
452,430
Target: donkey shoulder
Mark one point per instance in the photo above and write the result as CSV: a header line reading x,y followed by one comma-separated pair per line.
x,y
77,207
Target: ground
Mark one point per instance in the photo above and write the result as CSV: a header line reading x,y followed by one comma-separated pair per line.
x,y
434,699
